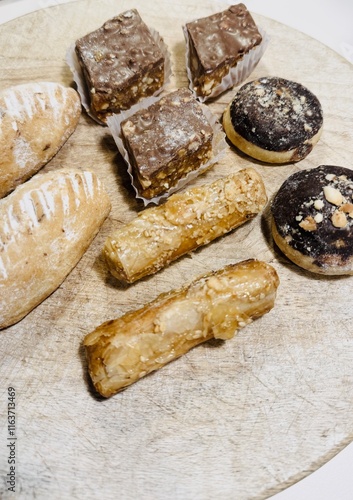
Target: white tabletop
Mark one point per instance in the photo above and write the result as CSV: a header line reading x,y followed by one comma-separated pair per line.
x,y
330,22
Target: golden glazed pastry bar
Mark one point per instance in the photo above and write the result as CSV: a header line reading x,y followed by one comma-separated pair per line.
x,y
312,219
46,225
166,141
274,120
183,223
36,119
121,351
121,63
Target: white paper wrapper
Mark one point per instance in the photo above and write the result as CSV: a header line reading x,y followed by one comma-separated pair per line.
x,y
237,74
219,146
76,70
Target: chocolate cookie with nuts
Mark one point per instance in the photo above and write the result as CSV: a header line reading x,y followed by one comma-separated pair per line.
x,y
274,120
312,219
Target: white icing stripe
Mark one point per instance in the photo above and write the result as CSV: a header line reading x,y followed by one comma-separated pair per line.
x,y
63,183
75,185
68,190
23,100
55,104
78,187
23,153
88,184
48,208
3,270
27,208
49,203
13,223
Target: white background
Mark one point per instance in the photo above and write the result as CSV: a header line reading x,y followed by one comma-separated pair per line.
x,y
330,22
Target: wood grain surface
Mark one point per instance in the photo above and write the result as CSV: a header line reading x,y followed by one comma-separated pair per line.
x,y
236,420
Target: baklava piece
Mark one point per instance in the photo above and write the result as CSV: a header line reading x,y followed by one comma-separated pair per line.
x,y
121,64
186,221
121,351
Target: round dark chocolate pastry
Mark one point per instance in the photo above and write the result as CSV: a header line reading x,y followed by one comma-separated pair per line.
x,y
312,219
274,120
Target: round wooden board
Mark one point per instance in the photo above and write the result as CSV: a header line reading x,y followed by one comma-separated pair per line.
x,y
241,419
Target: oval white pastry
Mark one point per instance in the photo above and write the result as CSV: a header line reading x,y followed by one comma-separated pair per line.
x,y
46,225
36,119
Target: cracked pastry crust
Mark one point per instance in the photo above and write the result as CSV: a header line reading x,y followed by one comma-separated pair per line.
x,y
46,225
121,351
186,221
274,120
312,219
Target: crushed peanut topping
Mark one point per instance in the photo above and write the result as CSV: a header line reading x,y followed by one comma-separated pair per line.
x,y
333,195
319,204
339,219
347,208
318,218
308,224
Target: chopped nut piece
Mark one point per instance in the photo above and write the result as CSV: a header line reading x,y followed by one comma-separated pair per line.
x,y
319,204
333,195
318,218
340,243
347,208
339,219
308,224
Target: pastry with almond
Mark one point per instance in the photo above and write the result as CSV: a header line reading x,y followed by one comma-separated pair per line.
x,y
274,120
312,219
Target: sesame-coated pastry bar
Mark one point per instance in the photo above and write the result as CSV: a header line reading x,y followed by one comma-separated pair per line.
x,y
186,221
121,351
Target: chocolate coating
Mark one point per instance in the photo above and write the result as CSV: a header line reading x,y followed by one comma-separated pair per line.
x,y
222,38
118,51
166,140
121,63
276,114
305,217
157,133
